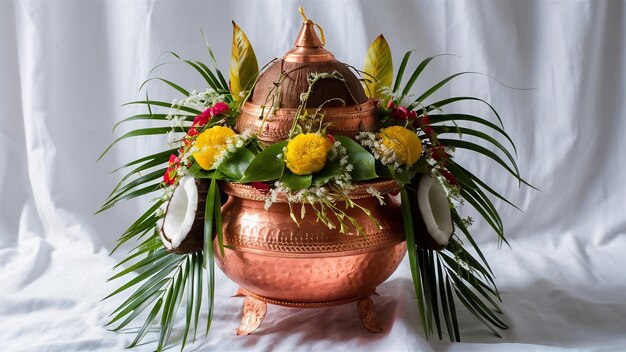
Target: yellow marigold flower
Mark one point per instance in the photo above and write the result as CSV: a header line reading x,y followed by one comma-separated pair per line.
x,y
209,144
307,153
404,143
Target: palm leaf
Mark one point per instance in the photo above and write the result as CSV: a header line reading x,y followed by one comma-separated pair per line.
x,y
403,63
416,73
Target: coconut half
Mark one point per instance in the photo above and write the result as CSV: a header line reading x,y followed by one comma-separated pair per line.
x,y
435,210
180,213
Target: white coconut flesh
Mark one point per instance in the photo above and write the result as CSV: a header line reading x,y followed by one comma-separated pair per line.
x,y
435,210
180,214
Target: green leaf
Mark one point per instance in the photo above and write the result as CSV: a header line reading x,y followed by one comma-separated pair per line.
x,y
445,304
165,105
137,133
329,171
218,220
180,89
296,182
189,282
486,152
437,118
139,305
436,87
190,273
405,61
267,165
364,165
198,301
198,172
140,192
378,67
236,164
475,133
214,61
161,156
209,256
146,261
119,191
407,220
458,171
418,70
243,64
146,325
153,117
159,270
442,103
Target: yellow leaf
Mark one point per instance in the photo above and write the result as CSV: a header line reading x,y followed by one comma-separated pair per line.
x,y
378,68
243,64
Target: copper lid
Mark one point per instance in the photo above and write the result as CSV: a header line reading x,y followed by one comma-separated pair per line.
x,y
309,47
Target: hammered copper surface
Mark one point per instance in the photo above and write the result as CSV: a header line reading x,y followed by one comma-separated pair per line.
x,y
272,257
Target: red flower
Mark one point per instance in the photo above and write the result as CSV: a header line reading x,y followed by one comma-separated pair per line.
x,y
400,113
219,108
261,186
391,105
203,118
170,176
174,160
331,138
193,132
449,177
439,152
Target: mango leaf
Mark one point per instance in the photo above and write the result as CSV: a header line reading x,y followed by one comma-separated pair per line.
x,y
236,163
378,68
296,182
267,165
243,64
197,172
330,170
362,161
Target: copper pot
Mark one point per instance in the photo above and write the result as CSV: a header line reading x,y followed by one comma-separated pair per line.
x,y
276,260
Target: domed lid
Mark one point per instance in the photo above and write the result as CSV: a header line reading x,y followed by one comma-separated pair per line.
x,y
287,78
276,96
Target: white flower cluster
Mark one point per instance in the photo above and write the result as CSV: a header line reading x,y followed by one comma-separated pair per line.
x,y
196,100
452,191
232,144
376,194
380,151
343,180
402,100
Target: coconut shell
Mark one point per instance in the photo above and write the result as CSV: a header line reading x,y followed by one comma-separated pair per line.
x,y
194,242
423,239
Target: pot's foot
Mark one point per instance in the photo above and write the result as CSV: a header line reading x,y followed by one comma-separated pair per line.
x,y
240,293
368,315
253,313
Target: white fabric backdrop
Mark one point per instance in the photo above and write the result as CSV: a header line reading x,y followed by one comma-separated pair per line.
x,y
68,65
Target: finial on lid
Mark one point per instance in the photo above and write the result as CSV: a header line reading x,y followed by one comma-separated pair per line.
x,y
309,46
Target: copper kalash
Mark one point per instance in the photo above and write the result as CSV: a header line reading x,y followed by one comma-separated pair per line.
x,y
275,260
